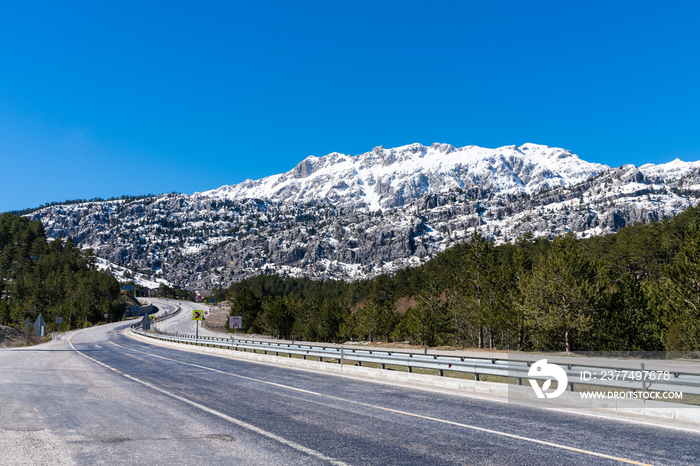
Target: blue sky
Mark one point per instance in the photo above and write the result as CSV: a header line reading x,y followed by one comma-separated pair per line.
x,y
101,99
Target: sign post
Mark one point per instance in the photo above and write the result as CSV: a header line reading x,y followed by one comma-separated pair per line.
x,y
146,323
39,326
197,315
59,321
28,324
235,322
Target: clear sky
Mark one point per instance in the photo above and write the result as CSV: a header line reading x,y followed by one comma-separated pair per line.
x,y
101,99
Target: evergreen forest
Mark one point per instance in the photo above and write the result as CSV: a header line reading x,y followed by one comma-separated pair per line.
x,y
50,278
635,290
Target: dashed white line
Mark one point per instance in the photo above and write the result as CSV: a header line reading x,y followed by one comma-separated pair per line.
x,y
405,413
245,425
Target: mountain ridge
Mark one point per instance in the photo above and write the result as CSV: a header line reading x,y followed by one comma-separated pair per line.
x,y
382,178
349,217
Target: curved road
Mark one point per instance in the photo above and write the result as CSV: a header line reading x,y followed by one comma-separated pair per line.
x,y
105,397
181,323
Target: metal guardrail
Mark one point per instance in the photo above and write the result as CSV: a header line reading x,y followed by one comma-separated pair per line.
x,y
688,383
167,316
162,318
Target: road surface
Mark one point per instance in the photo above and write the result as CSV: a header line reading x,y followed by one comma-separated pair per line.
x,y
107,398
182,322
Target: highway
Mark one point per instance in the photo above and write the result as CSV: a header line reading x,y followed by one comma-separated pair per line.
x,y
104,397
181,323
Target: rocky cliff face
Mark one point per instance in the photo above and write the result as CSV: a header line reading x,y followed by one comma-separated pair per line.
x,y
349,217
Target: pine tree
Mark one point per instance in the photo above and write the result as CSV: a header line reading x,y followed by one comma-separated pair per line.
x,y
682,288
476,299
248,306
427,320
557,295
374,319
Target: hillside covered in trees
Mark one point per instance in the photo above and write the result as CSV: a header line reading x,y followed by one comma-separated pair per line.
x,y
635,290
52,279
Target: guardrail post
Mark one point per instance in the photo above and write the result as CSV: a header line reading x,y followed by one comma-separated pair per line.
x,y
440,372
476,376
383,366
410,370
571,384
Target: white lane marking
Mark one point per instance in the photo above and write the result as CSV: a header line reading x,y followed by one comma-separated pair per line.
x,y
245,425
191,349
429,418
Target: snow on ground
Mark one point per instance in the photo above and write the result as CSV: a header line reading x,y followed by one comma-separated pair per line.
x,y
122,274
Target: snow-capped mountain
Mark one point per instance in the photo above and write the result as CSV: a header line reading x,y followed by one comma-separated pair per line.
x,y
390,178
348,217
669,172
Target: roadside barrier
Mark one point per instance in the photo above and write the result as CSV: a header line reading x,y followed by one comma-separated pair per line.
x,y
518,369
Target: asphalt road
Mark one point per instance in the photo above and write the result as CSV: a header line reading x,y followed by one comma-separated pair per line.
x,y
107,398
181,323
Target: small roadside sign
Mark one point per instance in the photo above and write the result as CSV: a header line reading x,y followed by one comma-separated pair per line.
x,y
39,326
197,315
153,317
59,320
235,321
127,287
145,322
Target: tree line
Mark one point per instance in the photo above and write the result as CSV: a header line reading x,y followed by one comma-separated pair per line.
x,y
50,278
126,198
635,290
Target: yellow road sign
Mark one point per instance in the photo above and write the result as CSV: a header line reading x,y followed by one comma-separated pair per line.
x,y
197,315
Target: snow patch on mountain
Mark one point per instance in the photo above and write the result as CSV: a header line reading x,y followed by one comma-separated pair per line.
x,y
669,172
124,275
